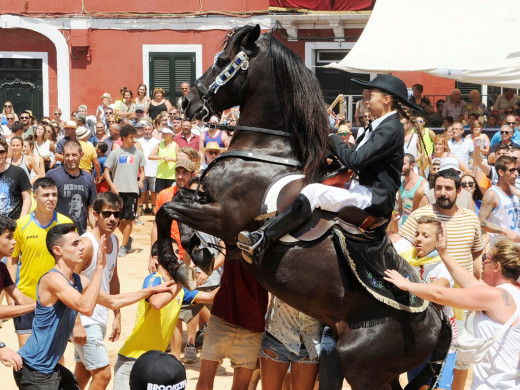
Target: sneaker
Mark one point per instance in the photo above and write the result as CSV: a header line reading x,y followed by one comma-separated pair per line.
x,y
122,252
129,244
199,338
139,222
190,353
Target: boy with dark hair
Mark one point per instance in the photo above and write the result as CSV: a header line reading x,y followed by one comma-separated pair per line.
x,y
61,295
24,304
156,320
126,164
30,235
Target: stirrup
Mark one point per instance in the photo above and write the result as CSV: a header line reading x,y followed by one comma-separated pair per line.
x,y
247,245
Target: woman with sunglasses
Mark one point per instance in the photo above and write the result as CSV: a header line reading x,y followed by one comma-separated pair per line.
x,y
57,116
469,183
8,109
166,155
479,139
495,298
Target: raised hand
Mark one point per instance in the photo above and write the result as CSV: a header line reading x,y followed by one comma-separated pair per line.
x,y
397,279
102,251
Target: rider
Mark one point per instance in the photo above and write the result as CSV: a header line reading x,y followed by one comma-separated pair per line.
x,y
377,158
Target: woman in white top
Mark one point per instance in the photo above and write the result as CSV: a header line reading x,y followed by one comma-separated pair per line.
x,y
43,147
27,163
495,298
28,151
142,98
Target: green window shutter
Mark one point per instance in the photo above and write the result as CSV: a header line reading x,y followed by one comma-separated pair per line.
x,y
169,70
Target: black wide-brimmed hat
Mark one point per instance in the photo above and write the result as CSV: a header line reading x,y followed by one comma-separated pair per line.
x,y
390,84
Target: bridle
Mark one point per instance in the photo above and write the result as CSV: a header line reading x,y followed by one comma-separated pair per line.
x,y
240,62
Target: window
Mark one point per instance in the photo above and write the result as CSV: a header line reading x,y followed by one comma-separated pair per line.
x,y
169,70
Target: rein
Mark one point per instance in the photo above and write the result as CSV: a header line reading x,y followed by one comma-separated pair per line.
x,y
250,128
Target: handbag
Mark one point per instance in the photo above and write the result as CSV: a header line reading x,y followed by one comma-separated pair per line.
x,y
472,349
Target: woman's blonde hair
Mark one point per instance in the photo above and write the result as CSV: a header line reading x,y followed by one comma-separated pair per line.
x,y
507,253
442,138
192,154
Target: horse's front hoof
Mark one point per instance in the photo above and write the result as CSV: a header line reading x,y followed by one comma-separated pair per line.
x,y
187,276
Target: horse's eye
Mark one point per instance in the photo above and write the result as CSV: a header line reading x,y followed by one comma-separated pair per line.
x,y
221,62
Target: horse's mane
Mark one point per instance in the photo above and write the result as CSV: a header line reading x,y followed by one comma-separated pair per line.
x,y
300,94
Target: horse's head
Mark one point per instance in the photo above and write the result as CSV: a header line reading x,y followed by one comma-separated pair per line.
x,y
226,76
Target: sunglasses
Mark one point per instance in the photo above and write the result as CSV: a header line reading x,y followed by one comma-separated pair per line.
x,y
420,121
213,152
512,170
2,152
107,214
57,113
173,114
509,112
485,257
343,134
24,117
111,121
505,132
469,184
139,111
366,116
7,106
10,119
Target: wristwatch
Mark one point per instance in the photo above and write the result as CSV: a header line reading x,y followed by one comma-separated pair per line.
x,y
2,345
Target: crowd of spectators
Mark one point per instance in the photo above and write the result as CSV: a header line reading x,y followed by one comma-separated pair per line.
x,y
108,166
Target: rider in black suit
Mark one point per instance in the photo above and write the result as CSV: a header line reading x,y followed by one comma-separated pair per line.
x,y
377,158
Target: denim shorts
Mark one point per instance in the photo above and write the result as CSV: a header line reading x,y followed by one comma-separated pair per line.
x,y
24,323
272,349
94,353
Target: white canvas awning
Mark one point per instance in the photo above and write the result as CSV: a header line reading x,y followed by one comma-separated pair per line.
x,y
474,41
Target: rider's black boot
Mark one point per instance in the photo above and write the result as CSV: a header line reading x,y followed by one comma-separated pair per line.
x,y
253,243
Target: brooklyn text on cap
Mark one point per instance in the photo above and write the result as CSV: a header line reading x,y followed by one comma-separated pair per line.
x,y
156,370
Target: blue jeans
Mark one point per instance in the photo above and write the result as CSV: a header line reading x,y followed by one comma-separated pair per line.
x,y
331,376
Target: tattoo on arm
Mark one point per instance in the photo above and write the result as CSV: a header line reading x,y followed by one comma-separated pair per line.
x,y
488,204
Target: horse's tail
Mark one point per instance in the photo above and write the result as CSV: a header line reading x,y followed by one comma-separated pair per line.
x,y
434,367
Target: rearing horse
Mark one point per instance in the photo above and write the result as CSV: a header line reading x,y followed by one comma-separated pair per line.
x,y
276,91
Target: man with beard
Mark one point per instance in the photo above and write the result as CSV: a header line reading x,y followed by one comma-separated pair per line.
x,y
76,187
463,233
499,211
90,352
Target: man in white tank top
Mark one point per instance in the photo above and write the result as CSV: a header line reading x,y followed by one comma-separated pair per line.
x,y
88,334
499,211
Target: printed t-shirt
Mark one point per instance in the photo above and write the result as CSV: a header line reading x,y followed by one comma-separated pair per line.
x,y
125,164
30,246
13,181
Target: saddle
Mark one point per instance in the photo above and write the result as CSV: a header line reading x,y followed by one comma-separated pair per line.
x,y
366,249
353,220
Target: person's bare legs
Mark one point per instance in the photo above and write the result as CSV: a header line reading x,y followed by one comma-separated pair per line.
x,y
191,329
100,378
303,376
241,378
208,370
272,372
82,375
126,228
176,341
459,379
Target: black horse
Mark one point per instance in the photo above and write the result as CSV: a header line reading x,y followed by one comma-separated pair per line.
x,y
376,343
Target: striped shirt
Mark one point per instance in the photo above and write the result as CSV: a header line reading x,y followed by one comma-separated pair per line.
x,y
463,233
